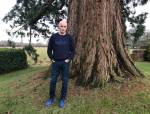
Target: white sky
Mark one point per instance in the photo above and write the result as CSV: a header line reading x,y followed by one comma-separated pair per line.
x,y
6,6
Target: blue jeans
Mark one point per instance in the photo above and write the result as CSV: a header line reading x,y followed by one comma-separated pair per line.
x,y
59,67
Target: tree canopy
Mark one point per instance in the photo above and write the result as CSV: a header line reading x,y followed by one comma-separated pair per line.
x,y
39,14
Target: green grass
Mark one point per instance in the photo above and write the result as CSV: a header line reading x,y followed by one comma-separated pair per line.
x,y
25,91
144,67
15,90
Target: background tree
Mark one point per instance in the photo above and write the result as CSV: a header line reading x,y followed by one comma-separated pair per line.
x,y
35,16
138,28
10,43
98,27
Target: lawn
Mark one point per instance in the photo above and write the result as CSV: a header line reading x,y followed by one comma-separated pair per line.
x,y
25,91
144,67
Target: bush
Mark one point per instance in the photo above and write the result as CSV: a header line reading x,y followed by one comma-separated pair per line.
x,y
12,59
147,53
138,54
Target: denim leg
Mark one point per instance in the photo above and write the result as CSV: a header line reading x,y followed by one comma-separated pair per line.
x,y
54,75
65,78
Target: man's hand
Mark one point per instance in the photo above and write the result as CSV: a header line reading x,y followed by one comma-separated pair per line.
x,y
53,61
67,60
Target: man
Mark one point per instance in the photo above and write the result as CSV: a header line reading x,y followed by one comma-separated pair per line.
x,y
61,52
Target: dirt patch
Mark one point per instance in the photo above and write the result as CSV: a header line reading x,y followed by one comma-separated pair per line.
x,y
41,75
125,89
77,90
129,88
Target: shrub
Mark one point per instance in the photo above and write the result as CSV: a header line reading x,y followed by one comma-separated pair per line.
x,y
138,54
12,59
147,53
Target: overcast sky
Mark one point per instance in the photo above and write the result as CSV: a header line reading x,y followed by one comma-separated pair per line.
x,y
6,6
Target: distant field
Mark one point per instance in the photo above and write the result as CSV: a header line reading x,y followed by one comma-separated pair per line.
x,y
43,57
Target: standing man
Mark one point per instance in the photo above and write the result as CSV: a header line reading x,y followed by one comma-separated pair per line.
x,y
61,51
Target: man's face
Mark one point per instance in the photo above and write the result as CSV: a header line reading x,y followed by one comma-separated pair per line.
x,y
62,27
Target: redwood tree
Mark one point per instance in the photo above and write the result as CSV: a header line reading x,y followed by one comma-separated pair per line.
x,y
98,29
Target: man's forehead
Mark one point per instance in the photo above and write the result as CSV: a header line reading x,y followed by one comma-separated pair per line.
x,y
63,22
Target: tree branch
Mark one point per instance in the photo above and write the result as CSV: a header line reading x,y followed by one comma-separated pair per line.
x,y
47,6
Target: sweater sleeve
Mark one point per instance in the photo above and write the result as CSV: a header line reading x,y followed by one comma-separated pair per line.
x,y
72,48
49,49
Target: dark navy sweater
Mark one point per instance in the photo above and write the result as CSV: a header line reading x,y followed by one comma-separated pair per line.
x,y
61,47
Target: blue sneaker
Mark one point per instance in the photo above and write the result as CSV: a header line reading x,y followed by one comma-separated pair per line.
x,y
62,103
49,102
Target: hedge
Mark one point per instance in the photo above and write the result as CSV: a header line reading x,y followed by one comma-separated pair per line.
x,y
12,59
147,53
138,54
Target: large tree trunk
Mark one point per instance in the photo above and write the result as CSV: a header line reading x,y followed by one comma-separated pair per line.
x,y
98,29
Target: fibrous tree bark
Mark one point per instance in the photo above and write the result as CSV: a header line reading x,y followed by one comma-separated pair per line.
x,y
98,29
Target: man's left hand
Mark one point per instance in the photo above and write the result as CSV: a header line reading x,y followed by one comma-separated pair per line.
x,y
67,60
